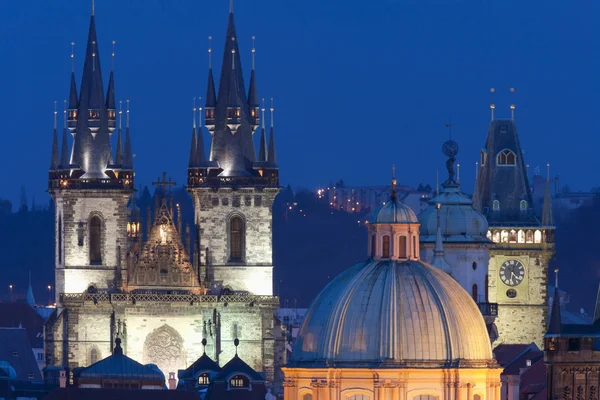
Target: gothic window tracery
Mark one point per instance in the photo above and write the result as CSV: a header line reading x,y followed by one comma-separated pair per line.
x,y
506,157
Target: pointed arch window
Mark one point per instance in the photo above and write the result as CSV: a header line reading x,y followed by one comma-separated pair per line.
x,y
385,248
95,240
496,205
93,355
236,239
506,157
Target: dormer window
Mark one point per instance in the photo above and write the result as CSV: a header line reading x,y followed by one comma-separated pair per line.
x,y
496,205
210,113
523,205
239,382
506,157
204,379
94,114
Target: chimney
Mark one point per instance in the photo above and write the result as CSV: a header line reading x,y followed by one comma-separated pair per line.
x,y
172,381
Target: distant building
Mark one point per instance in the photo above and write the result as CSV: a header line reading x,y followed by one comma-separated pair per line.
x,y
516,360
22,315
366,198
572,355
20,376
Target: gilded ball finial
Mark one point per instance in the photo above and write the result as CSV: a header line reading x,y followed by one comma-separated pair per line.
x,y
512,90
492,90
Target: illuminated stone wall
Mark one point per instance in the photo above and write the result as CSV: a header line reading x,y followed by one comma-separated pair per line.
x,y
168,333
214,210
522,319
75,208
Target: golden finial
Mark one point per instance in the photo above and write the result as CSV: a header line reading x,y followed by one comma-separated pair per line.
x,y
231,6
94,55
55,112
232,58
113,55
72,56
200,111
548,172
253,51
512,106
194,112
93,7
210,52
127,122
65,113
120,114
263,113
457,173
492,105
556,280
393,181
272,113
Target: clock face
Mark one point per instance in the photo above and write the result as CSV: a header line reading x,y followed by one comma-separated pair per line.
x,y
512,272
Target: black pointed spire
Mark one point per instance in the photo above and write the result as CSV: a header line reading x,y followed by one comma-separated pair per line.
x,y
64,148
272,158
127,154
200,154
262,150
73,102
211,96
193,145
119,152
92,92
110,94
555,323
54,159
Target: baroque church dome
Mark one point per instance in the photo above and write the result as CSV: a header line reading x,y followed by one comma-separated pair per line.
x,y
393,212
396,313
393,310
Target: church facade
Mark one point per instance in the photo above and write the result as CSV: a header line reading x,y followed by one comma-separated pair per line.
x,y
162,296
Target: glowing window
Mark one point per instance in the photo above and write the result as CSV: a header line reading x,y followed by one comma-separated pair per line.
x,y
239,381
506,157
504,236
385,248
95,240
521,237
402,247
203,379
496,205
529,237
537,237
236,239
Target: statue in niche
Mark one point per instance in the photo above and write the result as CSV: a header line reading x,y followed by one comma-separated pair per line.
x,y
163,234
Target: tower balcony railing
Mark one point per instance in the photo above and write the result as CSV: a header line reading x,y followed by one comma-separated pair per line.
x,y
488,309
191,299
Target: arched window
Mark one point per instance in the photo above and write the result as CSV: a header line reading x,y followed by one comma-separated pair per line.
x,y
474,293
474,265
537,237
95,240
203,379
504,236
523,205
307,396
529,237
373,245
93,355
506,157
402,247
359,397
521,236
60,239
239,382
414,247
236,239
385,248
496,205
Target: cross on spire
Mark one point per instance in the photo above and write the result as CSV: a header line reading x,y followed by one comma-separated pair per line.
x,y
164,184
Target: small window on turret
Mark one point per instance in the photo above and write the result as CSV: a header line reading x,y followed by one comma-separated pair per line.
x,y
496,205
506,157
523,205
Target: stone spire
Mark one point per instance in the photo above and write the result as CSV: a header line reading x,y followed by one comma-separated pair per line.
x,y
30,298
438,251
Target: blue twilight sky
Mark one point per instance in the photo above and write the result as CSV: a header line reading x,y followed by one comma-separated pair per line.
x,y
358,85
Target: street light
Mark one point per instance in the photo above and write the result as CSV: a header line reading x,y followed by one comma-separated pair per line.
x,y
10,287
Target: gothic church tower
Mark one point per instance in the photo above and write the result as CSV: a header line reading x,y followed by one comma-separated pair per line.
x,y
518,266
89,186
233,190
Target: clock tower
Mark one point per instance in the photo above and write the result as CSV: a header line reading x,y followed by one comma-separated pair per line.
x,y
524,242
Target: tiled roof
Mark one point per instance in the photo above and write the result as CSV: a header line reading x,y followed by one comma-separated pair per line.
x,y
118,394
506,353
236,365
15,315
16,350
